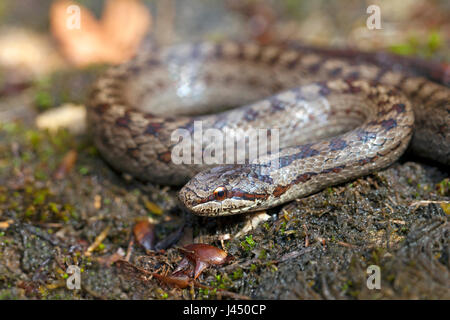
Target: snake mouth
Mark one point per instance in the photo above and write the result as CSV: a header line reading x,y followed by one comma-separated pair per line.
x,y
213,207
222,208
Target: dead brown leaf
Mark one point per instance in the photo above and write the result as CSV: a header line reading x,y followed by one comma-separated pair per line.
x,y
113,39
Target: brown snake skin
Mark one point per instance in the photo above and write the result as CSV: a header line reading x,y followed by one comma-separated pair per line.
x,y
337,120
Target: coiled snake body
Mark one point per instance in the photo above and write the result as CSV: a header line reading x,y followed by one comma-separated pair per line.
x,y
337,120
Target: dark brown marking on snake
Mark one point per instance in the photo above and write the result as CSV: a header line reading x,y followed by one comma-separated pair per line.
x,y
153,128
153,62
124,121
367,160
293,63
399,108
380,74
148,116
442,103
204,200
238,193
354,75
264,178
251,115
279,190
431,94
94,92
241,52
388,124
253,81
276,104
134,152
258,56
365,136
324,90
352,88
337,144
305,152
335,72
315,67
116,97
418,88
392,92
398,145
303,177
134,69
102,108
382,103
334,170
165,157
274,59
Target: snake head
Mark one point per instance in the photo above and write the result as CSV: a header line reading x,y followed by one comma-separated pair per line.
x,y
223,190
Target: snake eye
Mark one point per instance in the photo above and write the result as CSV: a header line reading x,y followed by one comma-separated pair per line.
x,y
220,193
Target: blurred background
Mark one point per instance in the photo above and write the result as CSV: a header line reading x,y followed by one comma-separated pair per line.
x,y
36,45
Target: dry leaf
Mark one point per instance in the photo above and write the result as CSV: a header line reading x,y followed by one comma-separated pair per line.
x,y
144,232
202,256
66,165
113,39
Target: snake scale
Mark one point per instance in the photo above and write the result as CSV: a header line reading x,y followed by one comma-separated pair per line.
x,y
337,120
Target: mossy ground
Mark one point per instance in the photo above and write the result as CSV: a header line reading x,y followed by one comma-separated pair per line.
x,y
377,220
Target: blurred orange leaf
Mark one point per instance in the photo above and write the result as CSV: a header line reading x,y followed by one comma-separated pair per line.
x,y
112,39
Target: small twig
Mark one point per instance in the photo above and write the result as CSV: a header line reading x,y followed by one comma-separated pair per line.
x,y
348,245
306,236
129,249
97,241
417,204
293,254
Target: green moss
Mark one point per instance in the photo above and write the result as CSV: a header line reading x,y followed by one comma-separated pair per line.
x,y
83,170
40,196
423,46
43,100
248,244
262,254
443,187
222,282
238,274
